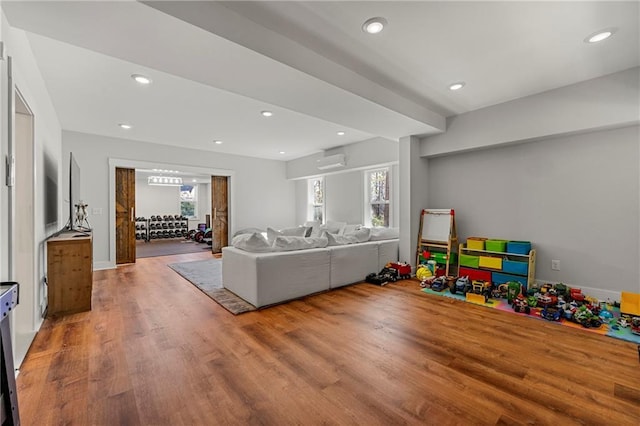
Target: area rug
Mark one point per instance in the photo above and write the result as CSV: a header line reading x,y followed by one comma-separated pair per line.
x,y
502,305
155,248
206,275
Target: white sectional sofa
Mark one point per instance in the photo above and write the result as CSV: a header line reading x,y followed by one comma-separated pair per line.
x,y
264,279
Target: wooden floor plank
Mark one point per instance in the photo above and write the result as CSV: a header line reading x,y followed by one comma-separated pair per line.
x,y
154,350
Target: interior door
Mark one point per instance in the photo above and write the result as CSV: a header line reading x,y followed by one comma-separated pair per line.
x,y
125,215
219,212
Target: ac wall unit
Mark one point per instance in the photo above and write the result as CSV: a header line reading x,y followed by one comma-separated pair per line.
x,y
331,162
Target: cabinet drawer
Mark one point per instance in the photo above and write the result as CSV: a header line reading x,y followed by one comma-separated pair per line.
x,y
490,262
514,267
475,274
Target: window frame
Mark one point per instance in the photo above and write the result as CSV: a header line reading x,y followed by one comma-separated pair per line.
x,y
195,202
311,204
367,217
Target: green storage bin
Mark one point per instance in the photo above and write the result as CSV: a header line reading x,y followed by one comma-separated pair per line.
x,y
442,258
496,245
469,261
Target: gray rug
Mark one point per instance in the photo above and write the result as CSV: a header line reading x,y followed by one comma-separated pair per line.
x,y
206,275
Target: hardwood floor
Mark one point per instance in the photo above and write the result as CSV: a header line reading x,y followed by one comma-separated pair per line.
x,y
156,351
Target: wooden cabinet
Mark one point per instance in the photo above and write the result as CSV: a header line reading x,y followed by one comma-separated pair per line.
x,y
69,273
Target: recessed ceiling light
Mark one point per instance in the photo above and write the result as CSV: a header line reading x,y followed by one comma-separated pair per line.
x,y
266,113
194,180
142,79
374,25
340,133
282,152
125,126
600,35
218,142
457,86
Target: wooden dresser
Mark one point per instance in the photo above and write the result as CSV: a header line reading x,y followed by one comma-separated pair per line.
x,y
69,273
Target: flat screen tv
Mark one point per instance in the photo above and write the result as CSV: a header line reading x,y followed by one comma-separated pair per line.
x,y
50,192
74,190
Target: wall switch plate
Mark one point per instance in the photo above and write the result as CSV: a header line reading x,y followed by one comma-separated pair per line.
x,y
555,265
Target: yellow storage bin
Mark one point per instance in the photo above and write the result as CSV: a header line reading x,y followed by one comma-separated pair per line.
x,y
475,243
490,262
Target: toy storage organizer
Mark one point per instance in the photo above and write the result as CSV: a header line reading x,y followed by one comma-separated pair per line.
x,y
497,261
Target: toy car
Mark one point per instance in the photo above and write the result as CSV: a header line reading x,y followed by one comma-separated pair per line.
x,y
461,285
520,304
385,276
635,325
403,269
551,313
439,284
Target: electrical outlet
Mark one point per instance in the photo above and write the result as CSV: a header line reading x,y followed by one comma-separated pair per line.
x,y
97,211
555,265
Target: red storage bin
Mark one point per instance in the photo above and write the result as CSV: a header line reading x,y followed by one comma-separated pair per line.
x,y
475,274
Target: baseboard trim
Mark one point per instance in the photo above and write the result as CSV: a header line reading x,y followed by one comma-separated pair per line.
x,y
98,266
598,293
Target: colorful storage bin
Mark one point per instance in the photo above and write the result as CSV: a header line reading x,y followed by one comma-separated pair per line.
x,y
476,243
475,274
490,262
495,245
442,257
469,261
518,247
500,278
514,267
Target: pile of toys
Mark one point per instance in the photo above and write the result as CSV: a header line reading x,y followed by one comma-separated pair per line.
x,y
392,272
552,302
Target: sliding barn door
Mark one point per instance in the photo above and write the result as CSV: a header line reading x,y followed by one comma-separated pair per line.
x,y
125,216
219,212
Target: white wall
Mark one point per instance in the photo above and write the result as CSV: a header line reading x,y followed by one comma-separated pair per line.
x,y
575,197
605,102
47,137
153,200
260,194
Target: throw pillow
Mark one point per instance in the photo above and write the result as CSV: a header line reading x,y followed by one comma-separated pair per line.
x,y
255,242
313,227
298,231
284,243
378,234
350,229
247,231
361,235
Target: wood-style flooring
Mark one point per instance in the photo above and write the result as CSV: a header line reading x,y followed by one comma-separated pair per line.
x,y
156,351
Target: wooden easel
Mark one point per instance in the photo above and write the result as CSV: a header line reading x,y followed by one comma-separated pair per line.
x,y
437,231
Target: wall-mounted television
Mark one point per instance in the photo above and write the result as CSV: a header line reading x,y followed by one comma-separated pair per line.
x,y
50,191
74,190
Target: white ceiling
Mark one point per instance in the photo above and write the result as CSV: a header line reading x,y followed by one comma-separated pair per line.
x,y
216,65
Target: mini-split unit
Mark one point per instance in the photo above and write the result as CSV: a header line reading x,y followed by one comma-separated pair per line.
x,y
331,162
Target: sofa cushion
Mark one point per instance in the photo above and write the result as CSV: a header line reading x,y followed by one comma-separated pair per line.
x,y
285,243
255,242
350,229
247,231
298,231
340,240
362,235
313,228
378,234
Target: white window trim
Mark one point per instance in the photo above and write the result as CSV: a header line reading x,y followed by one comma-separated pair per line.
x,y
367,203
196,209
310,198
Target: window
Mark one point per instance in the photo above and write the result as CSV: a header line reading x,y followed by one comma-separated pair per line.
x,y
376,213
189,201
315,210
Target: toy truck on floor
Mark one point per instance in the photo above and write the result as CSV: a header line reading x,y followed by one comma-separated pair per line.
x,y
403,269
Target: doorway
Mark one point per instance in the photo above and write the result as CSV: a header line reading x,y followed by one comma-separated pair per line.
x,y
27,313
153,201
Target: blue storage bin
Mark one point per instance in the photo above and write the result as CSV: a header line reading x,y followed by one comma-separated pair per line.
x,y
514,267
518,247
501,278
